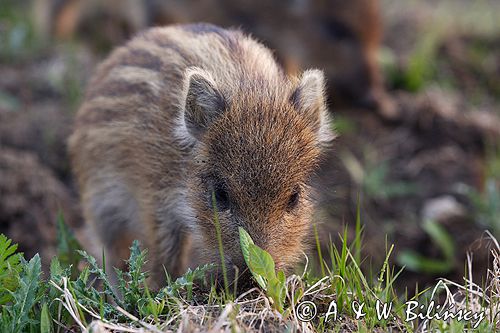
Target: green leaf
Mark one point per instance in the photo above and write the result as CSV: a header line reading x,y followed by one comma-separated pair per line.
x,y
277,290
101,275
281,277
137,257
7,253
45,322
131,282
25,296
9,268
441,238
282,284
55,269
261,262
262,266
245,242
274,292
218,233
418,263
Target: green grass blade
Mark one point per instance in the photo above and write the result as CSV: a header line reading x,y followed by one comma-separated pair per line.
x,y
221,247
318,248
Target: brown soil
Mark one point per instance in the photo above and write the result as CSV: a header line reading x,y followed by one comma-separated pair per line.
x,y
32,197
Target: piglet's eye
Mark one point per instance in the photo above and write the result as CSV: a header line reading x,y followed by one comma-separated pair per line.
x,y
222,199
293,200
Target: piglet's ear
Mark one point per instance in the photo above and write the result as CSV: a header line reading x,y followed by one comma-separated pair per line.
x,y
309,100
203,103
308,97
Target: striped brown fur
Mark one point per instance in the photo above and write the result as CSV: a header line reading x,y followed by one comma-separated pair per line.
x,y
185,111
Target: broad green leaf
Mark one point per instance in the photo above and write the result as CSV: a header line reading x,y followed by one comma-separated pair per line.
x,y
245,241
277,290
261,262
